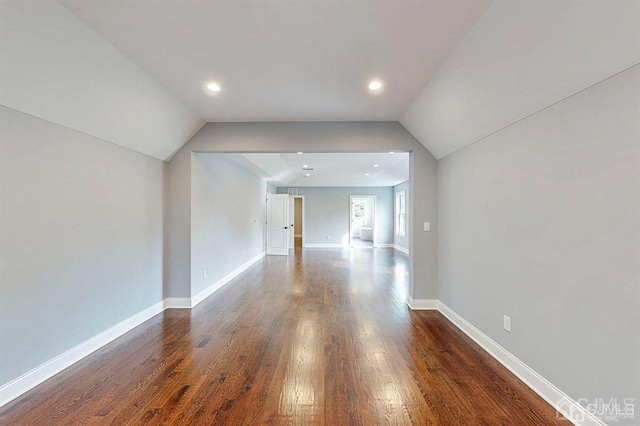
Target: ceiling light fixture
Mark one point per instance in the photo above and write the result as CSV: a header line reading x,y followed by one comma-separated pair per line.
x,y
391,152
214,87
300,152
376,165
366,174
307,175
304,166
375,85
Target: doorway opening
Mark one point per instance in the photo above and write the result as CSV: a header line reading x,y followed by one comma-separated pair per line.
x,y
362,223
296,215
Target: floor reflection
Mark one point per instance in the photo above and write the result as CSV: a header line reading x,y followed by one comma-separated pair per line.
x,y
321,336
302,387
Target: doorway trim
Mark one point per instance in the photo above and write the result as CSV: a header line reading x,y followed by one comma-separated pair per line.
x,y
374,199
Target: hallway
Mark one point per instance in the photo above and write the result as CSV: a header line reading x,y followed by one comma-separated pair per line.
x,y
321,337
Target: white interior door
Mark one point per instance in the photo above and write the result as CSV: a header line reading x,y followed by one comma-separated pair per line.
x,y
278,224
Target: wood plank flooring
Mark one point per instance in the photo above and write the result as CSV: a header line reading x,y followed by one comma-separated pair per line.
x,y
322,337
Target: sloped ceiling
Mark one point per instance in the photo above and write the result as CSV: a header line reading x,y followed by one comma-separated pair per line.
x,y
279,60
455,71
53,67
521,57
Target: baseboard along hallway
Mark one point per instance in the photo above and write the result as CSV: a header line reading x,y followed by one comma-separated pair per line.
x,y
323,336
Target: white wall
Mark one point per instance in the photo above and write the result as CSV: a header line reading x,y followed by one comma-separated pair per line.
x,y
540,222
399,240
326,212
227,215
271,188
81,238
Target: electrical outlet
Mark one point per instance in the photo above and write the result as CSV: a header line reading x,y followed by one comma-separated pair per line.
x,y
204,274
506,323
427,226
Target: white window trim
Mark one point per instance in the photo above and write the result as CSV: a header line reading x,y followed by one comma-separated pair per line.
x,y
396,216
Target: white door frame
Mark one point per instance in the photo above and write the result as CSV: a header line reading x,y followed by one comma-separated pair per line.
x,y
292,218
374,199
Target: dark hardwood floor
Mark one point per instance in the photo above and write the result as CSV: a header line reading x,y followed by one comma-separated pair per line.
x,y
322,337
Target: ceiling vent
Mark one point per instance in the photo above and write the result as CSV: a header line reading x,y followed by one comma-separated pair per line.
x,y
293,191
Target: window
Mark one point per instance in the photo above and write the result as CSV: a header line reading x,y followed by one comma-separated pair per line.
x,y
358,209
401,213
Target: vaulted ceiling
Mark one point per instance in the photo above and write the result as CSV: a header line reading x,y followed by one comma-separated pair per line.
x,y
286,60
521,57
134,73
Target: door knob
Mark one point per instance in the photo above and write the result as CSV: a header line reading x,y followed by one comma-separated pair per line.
x,y
286,227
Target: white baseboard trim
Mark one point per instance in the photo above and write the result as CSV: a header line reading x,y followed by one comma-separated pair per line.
x,y
177,303
32,378
569,408
385,245
402,249
422,304
224,280
573,411
325,246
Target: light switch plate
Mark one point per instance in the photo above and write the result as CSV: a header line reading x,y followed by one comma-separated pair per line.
x,y
507,323
427,226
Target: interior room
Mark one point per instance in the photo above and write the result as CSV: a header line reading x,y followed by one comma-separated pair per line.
x,y
362,212
362,218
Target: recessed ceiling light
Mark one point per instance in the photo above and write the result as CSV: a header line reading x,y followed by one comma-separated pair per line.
x,y
366,174
304,166
214,87
300,152
376,165
307,175
391,152
375,85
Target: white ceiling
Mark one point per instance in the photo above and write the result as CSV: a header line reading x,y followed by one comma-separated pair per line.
x,y
329,169
133,72
53,67
522,56
283,60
